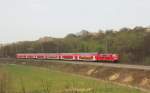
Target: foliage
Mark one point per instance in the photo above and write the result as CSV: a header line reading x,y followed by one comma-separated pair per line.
x,y
131,44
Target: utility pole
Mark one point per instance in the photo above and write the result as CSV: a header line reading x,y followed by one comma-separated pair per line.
x,y
42,48
58,46
107,44
106,49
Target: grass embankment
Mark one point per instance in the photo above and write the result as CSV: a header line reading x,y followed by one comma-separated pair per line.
x,y
28,79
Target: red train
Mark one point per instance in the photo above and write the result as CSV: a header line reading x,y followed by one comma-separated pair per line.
x,y
70,56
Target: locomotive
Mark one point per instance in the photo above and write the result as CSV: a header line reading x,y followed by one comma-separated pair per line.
x,y
71,56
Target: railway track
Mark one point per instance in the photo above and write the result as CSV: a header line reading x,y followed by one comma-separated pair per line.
x,y
118,65
115,65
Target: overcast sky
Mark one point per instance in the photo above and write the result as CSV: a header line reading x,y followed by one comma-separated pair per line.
x,y
31,19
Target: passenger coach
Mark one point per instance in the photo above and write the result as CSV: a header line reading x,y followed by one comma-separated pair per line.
x,y
70,56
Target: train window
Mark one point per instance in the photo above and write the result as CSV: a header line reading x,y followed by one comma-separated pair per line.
x,y
104,55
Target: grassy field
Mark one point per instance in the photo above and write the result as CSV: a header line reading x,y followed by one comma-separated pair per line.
x,y
28,79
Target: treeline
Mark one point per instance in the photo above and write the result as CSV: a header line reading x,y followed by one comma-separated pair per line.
x,y
133,45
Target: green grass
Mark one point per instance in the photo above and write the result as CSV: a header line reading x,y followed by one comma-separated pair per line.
x,y
28,79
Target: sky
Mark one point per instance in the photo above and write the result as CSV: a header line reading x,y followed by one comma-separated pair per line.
x,y
31,19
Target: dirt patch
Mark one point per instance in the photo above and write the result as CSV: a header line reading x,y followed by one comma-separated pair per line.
x,y
90,71
145,82
114,77
128,79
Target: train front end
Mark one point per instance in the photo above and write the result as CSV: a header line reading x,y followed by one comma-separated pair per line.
x,y
107,58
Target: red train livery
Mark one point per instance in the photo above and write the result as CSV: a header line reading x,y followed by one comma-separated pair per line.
x,y
70,56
